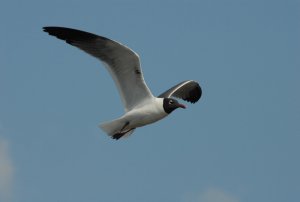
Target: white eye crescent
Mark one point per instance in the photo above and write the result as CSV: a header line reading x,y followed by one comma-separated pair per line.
x,y
171,102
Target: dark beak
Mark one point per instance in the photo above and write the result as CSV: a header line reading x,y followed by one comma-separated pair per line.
x,y
181,106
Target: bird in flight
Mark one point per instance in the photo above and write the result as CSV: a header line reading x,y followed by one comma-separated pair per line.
x,y
123,64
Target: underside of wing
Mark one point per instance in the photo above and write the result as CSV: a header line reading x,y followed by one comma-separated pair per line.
x,y
122,63
187,90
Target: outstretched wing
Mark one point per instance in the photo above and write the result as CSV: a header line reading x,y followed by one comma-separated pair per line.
x,y
122,63
187,90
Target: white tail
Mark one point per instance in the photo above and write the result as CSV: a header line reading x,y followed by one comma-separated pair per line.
x,y
113,128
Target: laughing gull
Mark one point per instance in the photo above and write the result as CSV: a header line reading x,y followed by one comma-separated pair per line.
x,y
123,64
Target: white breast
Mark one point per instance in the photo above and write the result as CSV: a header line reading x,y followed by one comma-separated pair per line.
x,y
146,113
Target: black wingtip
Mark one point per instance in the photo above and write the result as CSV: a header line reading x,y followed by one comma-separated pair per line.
x,y
63,33
194,94
51,29
71,35
46,29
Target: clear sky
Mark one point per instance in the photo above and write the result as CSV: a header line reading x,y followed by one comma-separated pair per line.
x,y
240,143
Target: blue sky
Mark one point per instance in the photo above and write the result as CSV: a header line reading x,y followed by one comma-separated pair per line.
x,y
239,143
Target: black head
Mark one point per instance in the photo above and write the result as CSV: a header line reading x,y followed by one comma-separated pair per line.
x,y
171,104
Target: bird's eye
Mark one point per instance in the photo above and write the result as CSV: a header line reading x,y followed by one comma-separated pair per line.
x,y
171,102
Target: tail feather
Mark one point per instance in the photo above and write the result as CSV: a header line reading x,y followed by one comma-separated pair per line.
x,y
113,129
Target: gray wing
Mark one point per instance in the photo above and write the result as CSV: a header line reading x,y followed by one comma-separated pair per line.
x,y
187,90
122,63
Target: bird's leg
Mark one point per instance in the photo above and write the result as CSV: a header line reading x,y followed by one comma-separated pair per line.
x,y
126,124
120,134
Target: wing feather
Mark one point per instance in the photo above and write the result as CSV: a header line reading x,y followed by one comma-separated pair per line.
x,y
122,63
187,90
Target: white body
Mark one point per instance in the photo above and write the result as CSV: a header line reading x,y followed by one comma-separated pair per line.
x,y
146,113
